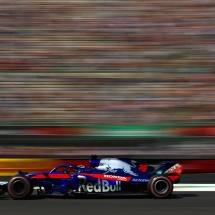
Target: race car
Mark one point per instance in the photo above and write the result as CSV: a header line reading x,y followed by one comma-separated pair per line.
x,y
102,176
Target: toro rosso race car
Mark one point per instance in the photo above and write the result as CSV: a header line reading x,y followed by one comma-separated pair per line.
x,y
106,175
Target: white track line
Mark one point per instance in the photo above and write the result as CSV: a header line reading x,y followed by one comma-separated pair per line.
x,y
194,187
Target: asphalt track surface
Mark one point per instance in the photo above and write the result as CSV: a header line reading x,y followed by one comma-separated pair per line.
x,y
178,203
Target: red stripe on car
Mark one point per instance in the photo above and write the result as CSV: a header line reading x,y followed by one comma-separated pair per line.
x,y
39,176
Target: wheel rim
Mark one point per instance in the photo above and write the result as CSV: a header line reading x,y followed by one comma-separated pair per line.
x,y
19,187
161,186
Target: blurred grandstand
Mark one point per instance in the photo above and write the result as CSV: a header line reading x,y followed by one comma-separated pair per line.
x,y
107,62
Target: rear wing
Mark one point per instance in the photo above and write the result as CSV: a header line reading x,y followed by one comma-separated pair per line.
x,y
172,170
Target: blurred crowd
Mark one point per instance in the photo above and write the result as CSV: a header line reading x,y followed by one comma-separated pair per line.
x,y
123,62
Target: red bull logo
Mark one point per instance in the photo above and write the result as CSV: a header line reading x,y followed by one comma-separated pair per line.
x,y
113,165
100,186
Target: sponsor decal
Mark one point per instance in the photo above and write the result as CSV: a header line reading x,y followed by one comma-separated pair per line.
x,y
116,177
140,180
3,182
113,165
177,168
143,167
108,177
101,186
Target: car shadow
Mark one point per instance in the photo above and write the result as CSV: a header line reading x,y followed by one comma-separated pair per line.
x,y
106,196
103,196
183,195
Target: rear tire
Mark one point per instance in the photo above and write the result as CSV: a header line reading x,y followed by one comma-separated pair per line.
x,y
160,186
19,187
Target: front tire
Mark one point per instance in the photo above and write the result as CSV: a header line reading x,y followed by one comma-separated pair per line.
x,y
160,187
19,187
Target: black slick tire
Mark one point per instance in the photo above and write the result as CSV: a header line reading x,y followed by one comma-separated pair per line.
x,y
19,187
160,186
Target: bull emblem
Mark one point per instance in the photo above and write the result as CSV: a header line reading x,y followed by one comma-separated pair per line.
x,y
113,165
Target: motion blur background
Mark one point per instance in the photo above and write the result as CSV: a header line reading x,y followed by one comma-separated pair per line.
x,y
124,77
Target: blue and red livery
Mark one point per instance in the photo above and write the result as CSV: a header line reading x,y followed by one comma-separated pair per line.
x,y
106,175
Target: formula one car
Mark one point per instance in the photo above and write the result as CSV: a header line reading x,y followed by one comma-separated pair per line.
x,y
106,175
